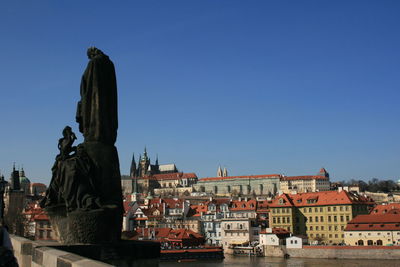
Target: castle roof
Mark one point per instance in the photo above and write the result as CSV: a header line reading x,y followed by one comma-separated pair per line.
x,y
241,177
305,177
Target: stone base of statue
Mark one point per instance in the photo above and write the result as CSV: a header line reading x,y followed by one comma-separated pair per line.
x,y
86,227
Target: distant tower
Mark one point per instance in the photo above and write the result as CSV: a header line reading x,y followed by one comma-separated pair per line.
x,y
323,172
219,171
144,164
225,173
15,183
133,167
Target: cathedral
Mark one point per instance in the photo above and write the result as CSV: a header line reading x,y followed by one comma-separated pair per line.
x,y
145,168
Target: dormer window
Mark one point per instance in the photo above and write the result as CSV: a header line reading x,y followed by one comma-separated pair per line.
x,y
281,201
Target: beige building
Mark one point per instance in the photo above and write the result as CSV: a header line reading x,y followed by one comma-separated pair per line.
x,y
308,183
239,231
373,230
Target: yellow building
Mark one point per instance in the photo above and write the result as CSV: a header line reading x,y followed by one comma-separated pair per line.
x,y
373,230
322,216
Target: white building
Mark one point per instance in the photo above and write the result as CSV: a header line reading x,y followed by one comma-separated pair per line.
x,y
273,236
296,241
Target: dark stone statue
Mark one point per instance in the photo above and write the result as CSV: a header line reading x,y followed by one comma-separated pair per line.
x,y
97,111
84,199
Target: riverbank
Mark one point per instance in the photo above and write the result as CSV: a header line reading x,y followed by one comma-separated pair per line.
x,y
335,252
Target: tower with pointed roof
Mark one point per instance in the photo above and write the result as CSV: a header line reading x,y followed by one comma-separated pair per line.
x,y
225,172
219,171
323,172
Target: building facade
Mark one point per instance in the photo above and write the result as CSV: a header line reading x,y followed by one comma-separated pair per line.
x,y
322,216
373,230
239,185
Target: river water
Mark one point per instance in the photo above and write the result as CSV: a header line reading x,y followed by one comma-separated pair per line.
x,y
242,261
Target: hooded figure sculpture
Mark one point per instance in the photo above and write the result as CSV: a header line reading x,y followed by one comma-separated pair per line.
x,y
84,199
97,113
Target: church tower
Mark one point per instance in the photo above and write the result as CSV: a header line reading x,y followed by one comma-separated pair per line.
x,y
144,164
225,173
219,171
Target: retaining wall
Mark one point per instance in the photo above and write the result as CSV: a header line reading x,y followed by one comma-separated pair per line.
x,y
345,252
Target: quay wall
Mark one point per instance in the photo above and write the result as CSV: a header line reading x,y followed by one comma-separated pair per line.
x,y
345,252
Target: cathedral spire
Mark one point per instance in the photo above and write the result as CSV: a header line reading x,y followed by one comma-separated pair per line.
x,y
133,166
157,160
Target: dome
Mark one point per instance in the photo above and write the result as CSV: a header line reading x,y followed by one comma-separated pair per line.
x,y
24,180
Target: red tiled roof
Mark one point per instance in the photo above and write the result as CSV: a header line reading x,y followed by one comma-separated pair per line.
x,y
174,176
305,177
242,177
168,234
374,222
38,184
277,231
389,208
243,205
321,198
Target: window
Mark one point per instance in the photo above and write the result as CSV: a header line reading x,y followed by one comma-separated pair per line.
x,y
329,208
320,209
347,218
316,209
335,218
334,208
316,228
311,228
341,218
329,218
309,210
41,232
274,219
341,208
310,219
316,218
322,228
322,218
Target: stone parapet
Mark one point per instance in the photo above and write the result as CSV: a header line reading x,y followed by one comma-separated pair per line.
x,y
37,254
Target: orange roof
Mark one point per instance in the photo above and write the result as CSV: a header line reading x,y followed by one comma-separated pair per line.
x,y
174,176
168,234
242,177
243,205
305,177
277,231
319,198
389,208
374,222
38,184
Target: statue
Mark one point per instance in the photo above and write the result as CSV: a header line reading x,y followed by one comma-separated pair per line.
x,y
84,199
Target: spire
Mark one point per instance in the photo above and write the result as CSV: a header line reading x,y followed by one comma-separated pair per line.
x,y
157,160
219,171
133,166
225,173
145,153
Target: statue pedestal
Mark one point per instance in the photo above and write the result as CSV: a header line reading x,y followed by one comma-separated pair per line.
x,y
86,227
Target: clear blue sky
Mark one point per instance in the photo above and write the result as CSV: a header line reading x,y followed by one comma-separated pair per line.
x,y
257,86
